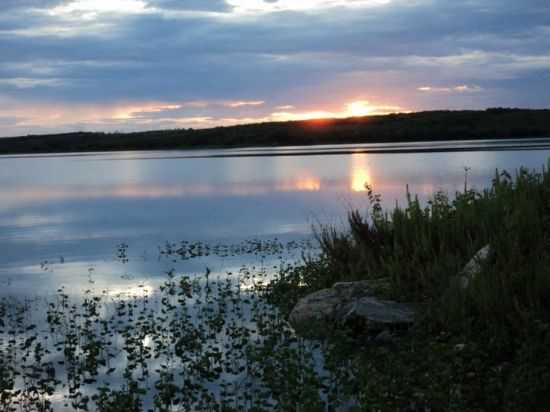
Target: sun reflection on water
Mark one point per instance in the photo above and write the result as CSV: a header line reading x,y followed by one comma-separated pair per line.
x,y
307,184
360,175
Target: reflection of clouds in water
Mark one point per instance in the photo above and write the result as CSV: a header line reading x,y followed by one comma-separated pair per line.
x,y
139,276
474,160
15,197
152,179
303,184
95,204
129,171
426,173
30,220
142,338
76,278
318,167
250,170
68,231
288,228
141,289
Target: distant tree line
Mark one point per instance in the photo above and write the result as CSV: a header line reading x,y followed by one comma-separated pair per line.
x,y
492,123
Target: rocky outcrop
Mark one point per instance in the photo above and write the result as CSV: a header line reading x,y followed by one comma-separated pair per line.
x,y
473,267
349,303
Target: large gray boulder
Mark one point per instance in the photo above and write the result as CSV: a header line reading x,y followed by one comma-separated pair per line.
x,y
351,303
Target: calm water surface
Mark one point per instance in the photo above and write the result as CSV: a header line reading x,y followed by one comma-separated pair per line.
x,y
62,216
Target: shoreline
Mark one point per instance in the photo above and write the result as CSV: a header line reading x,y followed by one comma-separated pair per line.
x,y
432,126
256,151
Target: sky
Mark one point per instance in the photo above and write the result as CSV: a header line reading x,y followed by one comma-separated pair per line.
x,y
126,65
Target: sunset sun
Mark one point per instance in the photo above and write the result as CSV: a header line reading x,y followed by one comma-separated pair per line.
x,y
359,108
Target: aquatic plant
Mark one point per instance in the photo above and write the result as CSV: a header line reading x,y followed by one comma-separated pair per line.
x,y
196,343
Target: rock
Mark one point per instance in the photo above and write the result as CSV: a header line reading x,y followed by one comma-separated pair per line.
x,y
473,267
378,313
350,290
315,308
350,303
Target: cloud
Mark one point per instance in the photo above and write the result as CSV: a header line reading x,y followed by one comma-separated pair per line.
x,y
29,83
464,88
242,103
94,8
269,6
157,115
218,60
28,4
191,5
8,121
142,111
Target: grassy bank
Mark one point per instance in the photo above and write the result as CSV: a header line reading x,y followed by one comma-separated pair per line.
x,y
476,348
403,127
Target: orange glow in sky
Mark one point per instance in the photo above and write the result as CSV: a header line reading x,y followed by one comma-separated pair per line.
x,y
146,114
359,108
131,112
356,108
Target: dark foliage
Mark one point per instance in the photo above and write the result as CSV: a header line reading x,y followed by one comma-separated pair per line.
x,y
479,346
435,125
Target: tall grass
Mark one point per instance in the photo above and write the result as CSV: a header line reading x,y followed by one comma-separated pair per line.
x,y
484,346
421,251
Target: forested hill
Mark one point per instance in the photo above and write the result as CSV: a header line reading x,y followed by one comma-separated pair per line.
x,y
434,125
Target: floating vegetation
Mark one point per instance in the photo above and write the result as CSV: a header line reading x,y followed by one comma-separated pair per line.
x,y
122,252
194,344
186,250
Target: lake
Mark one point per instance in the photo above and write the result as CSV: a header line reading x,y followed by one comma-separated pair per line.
x,y
100,218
